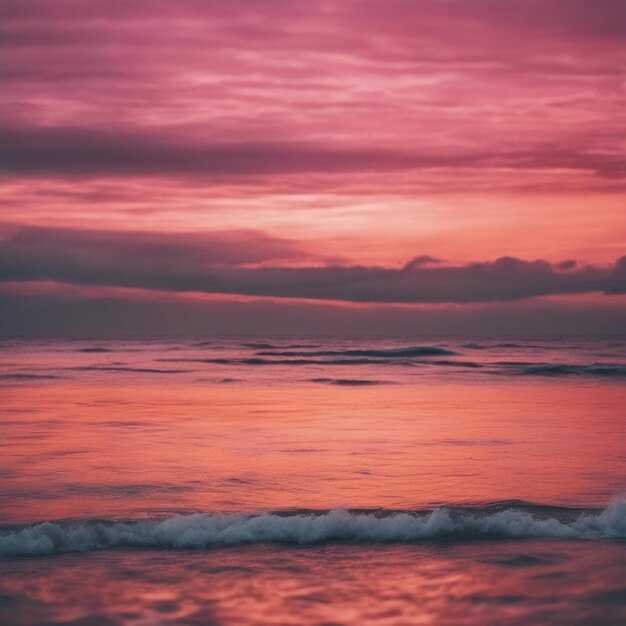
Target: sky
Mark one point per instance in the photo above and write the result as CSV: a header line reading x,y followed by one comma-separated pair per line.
x,y
288,166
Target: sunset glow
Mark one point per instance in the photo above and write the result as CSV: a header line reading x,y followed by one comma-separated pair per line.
x,y
237,147
312,312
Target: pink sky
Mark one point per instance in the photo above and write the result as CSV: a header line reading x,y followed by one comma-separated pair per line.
x,y
287,150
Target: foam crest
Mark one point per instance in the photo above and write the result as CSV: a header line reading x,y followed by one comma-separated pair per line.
x,y
202,531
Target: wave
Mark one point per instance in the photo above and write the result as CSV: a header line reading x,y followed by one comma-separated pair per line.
x,y
562,369
139,370
324,361
413,351
443,362
95,350
28,377
256,345
347,382
521,346
271,346
202,530
263,361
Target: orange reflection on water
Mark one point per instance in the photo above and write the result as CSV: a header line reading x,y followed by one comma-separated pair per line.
x,y
81,450
453,585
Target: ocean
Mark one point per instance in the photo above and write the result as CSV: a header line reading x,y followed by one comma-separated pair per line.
x,y
309,480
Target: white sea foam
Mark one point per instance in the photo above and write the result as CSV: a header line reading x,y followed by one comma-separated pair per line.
x,y
198,531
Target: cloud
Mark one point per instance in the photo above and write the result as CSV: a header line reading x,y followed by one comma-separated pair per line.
x,y
78,311
216,263
245,88
29,249
449,128
125,152
421,261
568,264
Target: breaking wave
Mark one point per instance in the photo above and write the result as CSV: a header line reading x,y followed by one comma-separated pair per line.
x,y
202,530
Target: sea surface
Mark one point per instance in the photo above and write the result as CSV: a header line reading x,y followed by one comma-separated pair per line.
x,y
316,481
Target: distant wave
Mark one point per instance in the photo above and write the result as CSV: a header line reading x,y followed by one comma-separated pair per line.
x,y
413,351
28,377
140,370
562,369
271,346
202,531
264,361
446,363
521,346
96,350
256,345
609,371
347,382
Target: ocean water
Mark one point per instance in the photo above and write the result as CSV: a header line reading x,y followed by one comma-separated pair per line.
x,y
313,481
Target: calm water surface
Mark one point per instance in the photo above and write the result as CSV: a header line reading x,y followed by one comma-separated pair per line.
x,y
313,481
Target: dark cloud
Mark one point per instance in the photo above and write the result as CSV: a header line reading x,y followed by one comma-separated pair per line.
x,y
28,249
212,263
420,261
559,17
247,88
126,152
569,264
108,315
568,19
